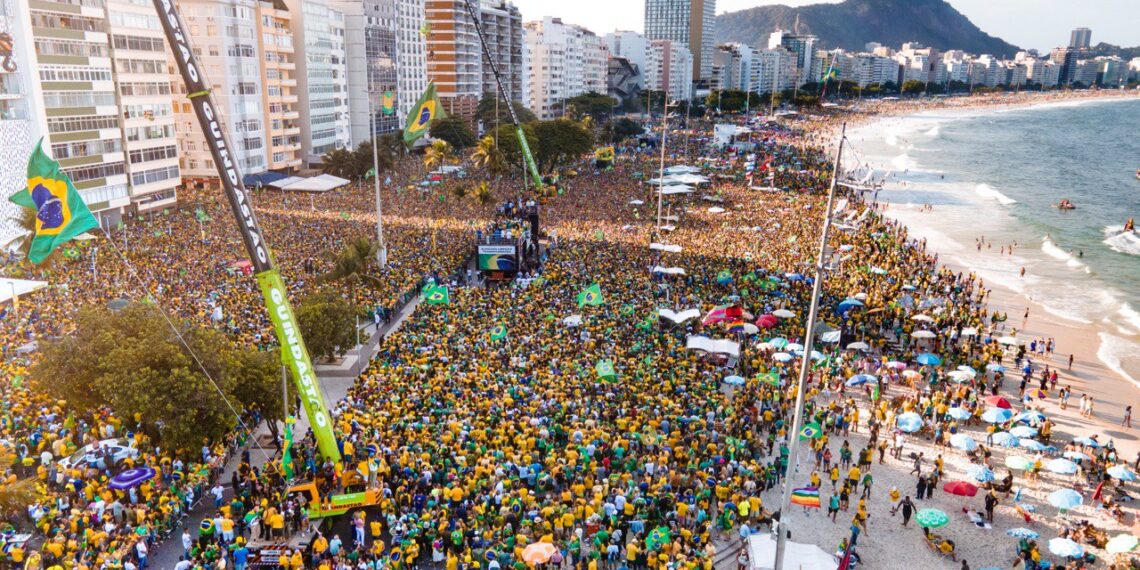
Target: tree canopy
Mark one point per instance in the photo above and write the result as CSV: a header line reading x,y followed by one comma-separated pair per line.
x,y
355,164
328,324
560,142
485,112
131,361
592,104
454,130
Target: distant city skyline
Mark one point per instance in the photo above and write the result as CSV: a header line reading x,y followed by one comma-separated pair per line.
x,y
1036,24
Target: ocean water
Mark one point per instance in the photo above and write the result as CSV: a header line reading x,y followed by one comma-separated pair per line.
x,y
998,173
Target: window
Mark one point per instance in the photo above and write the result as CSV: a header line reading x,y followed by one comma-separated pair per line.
x,y
67,22
85,148
152,154
140,66
94,171
47,46
247,88
148,88
278,157
57,99
73,124
251,144
240,50
59,73
131,20
273,91
155,175
149,133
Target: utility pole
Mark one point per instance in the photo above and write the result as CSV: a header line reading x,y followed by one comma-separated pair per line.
x,y
661,177
805,362
381,248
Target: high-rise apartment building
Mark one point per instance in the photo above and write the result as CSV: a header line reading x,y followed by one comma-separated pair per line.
x,y
279,95
688,22
732,67
1080,38
142,78
1066,59
564,60
669,68
503,29
455,60
21,115
322,73
226,42
803,47
80,101
411,56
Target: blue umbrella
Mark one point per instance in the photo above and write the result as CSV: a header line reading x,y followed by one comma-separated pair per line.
x,y
860,379
848,304
1032,445
963,442
959,413
1004,439
782,357
1066,548
794,347
131,478
909,422
1086,441
1077,456
1065,499
980,473
968,369
1122,473
928,359
1032,417
1023,533
1062,466
995,368
1023,431
996,415
816,355
734,380
778,342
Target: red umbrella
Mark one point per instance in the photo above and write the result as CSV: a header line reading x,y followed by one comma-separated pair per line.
x,y
767,321
961,488
998,402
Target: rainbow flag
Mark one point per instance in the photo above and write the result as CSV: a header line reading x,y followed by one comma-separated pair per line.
x,y
806,497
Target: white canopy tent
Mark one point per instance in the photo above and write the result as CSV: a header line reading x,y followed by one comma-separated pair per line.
x,y
669,270
665,247
682,169
322,183
676,189
718,346
679,317
762,555
18,287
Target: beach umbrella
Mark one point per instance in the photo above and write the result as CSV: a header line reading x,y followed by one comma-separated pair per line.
x,y
131,478
998,402
1076,456
980,473
959,413
860,379
1032,445
1009,341
848,304
1065,547
995,368
782,357
794,347
1004,439
783,313
969,331
923,318
909,422
963,442
1122,473
1065,498
958,376
931,518
996,415
767,321
1032,417
1122,543
858,346
922,334
895,365
1023,431
815,355
778,342
1022,532
636,202
968,370
734,380
961,488
1087,441
538,553
1062,466
928,359
1018,462
911,374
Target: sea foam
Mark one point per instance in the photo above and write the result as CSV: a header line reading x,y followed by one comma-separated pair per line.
x,y
988,191
1121,241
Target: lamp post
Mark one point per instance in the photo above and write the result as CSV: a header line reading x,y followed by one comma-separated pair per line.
x,y
805,363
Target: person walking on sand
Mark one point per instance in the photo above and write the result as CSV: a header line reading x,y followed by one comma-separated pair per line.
x,y
1127,422
907,508
1070,361
917,465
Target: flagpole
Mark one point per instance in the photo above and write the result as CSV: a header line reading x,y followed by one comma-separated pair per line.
x,y
805,363
381,248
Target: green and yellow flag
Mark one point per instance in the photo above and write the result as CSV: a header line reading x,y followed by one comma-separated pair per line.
x,y
60,212
591,295
437,296
426,110
605,370
388,103
287,449
498,332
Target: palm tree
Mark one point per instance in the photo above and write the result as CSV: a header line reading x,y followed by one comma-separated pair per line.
x,y
438,154
482,193
338,162
356,260
26,221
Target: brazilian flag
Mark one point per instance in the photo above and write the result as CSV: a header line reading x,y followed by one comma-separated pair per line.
x,y
591,295
811,431
498,332
438,296
287,453
605,370
60,212
388,103
426,110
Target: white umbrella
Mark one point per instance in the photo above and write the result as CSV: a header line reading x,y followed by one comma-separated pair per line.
x,y
969,331
858,346
1009,341
572,320
636,202
922,334
923,318
783,313
860,296
716,210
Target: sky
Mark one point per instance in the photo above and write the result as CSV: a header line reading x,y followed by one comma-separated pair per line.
x,y
1041,24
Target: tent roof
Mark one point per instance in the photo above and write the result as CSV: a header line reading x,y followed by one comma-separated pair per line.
x,y
322,183
762,555
720,346
18,286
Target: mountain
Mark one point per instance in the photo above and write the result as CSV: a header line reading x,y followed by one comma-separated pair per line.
x,y
1124,53
853,23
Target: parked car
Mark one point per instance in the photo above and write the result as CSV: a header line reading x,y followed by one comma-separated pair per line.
x,y
102,455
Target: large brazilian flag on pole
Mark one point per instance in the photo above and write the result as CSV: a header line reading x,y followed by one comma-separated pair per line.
x,y
60,212
426,110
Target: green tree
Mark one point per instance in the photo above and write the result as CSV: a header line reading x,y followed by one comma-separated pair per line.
x,y
591,104
339,162
624,128
133,362
454,130
913,86
357,261
26,222
438,154
509,145
485,112
487,155
328,324
560,142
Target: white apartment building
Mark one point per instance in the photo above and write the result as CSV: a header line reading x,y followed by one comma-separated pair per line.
x,y
630,45
1042,72
139,53
808,67
732,67
411,57
223,35
22,120
775,70
322,73
668,67
595,62
563,60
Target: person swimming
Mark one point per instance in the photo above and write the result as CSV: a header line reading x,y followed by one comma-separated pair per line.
x,y
1130,225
